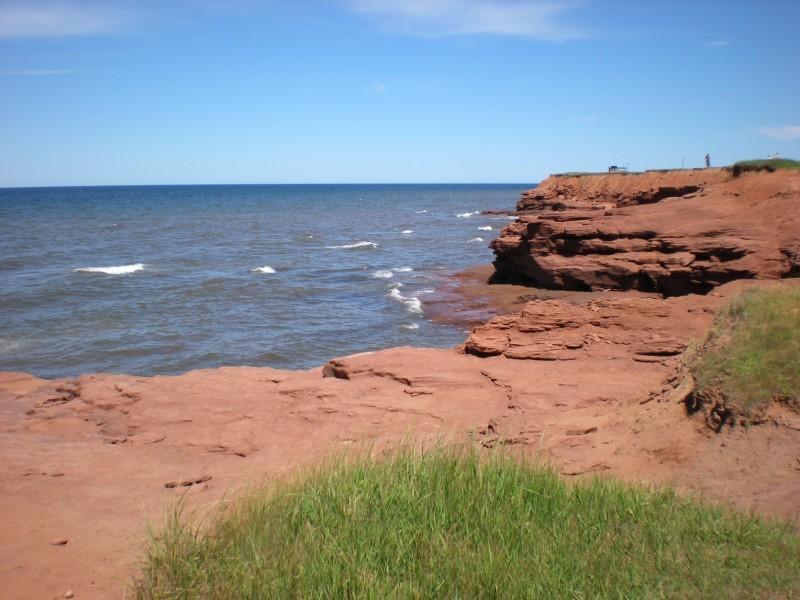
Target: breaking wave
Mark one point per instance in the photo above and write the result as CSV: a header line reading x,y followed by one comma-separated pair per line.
x,y
467,214
411,303
356,245
389,273
120,270
264,269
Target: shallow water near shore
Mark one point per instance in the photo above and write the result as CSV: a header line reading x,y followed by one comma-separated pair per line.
x,y
165,279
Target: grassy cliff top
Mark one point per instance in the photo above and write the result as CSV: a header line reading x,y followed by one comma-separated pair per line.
x,y
751,355
768,163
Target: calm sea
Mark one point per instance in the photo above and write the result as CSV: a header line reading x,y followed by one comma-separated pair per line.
x,y
155,280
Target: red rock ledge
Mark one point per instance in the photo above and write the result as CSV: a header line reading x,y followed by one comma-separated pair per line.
x,y
673,232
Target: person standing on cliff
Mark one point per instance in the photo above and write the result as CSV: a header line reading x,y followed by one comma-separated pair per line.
x,y
708,160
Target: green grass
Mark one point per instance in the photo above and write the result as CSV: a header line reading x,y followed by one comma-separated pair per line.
x,y
769,164
751,355
453,524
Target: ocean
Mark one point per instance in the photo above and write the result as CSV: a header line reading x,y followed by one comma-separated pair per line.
x,y
165,279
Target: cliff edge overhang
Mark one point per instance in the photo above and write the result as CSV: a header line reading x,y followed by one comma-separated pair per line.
x,y
672,232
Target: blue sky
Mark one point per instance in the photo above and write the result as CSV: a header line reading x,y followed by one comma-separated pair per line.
x,y
205,91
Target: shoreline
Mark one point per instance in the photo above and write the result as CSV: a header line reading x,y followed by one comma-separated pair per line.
x,y
589,380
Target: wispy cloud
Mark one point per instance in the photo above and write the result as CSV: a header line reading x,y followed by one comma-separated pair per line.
x,y
59,18
378,88
787,132
540,19
718,43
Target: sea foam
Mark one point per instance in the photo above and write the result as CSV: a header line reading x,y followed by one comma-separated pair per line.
x,y
407,231
467,214
120,270
264,269
402,269
475,239
383,274
356,245
412,304
485,228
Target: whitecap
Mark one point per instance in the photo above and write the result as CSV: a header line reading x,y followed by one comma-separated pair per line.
x,y
407,231
120,270
412,304
424,292
402,269
410,326
264,269
8,345
467,214
485,228
475,239
383,274
420,212
356,245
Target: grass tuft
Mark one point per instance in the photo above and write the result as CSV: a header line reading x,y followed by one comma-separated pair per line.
x,y
751,355
455,524
768,164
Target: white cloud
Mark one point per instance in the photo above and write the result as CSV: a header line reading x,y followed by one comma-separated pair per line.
x,y
378,88
524,18
787,132
58,18
718,43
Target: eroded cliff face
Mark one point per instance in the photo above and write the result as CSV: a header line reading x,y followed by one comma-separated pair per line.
x,y
673,232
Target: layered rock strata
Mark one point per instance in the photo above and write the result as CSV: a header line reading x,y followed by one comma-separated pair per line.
x,y
668,232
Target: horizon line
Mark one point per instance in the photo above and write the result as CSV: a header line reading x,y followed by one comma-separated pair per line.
x,y
323,183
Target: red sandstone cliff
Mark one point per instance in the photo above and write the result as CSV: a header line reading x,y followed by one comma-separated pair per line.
x,y
586,380
671,232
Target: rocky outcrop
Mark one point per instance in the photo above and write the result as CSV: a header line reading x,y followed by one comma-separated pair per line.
x,y
631,327
561,192
668,232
